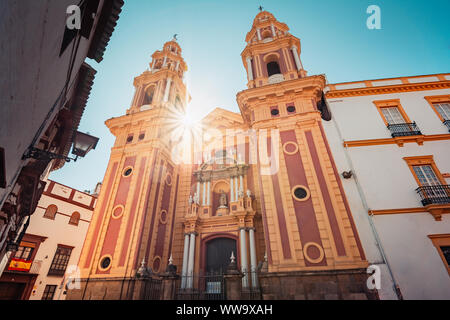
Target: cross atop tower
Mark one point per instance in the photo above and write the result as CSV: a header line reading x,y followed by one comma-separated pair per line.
x,y
261,8
175,37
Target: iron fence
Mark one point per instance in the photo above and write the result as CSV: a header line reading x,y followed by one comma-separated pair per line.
x,y
151,289
447,123
201,287
404,129
439,194
250,286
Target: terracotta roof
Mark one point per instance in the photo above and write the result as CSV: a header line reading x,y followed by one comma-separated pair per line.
x,y
79,100
105,27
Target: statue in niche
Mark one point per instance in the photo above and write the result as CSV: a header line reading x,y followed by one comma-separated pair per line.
x,y
223,199
196,198
241,192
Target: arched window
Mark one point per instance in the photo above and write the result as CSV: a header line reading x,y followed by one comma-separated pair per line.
x,y
267,35
158,64
149,93
74,218
50,212
273,68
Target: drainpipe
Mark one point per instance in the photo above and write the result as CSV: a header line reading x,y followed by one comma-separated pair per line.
x,y
366,207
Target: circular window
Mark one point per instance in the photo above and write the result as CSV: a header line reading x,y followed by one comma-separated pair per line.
x,y
117,212
105,263
169,179
300,193
290,148
129,139
291,109
313,252
274,112
163,217
142,136
127,171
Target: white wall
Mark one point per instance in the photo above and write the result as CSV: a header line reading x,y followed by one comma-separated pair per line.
x,y
359,213
383,172
386,182
416,263
359,119
57,231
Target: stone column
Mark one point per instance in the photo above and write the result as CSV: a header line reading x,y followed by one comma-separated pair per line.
x,y
249,68
164,62
233,281
259,34
236,189
241,183
166,92
198,189
185,261
190,272
273,30
231,190
204,194
296,58
178,65
208,194
244,265
251,235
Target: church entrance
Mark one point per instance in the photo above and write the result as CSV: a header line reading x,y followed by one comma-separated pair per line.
x,y
218,253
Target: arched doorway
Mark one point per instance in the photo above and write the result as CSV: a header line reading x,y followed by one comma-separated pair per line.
x,y
218,253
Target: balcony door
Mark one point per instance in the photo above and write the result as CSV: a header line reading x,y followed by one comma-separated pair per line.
x,y
393,115
432,187
443,109
426,175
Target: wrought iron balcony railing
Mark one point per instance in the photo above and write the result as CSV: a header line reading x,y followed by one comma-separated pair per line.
x,y
439,194
404,129
447,123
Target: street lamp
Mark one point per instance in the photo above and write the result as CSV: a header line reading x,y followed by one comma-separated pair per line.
x,y
82,144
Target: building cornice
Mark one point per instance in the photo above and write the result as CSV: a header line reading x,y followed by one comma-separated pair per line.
x,y
404,87
400,141
436,210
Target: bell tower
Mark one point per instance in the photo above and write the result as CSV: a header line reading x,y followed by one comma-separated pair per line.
x,y
134,215
161,86
307,221
272,54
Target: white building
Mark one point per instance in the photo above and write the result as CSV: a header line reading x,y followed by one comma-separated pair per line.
x,y
54,240
393,135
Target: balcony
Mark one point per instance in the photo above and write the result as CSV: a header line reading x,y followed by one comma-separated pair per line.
x,y
404,130
439,194
447,123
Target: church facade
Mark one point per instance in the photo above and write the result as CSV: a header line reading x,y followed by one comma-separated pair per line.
x,y
260,187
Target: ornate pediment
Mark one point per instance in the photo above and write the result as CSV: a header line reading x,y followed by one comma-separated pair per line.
x,y
222,119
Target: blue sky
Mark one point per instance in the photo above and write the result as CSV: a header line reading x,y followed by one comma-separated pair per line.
x,y
414,40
